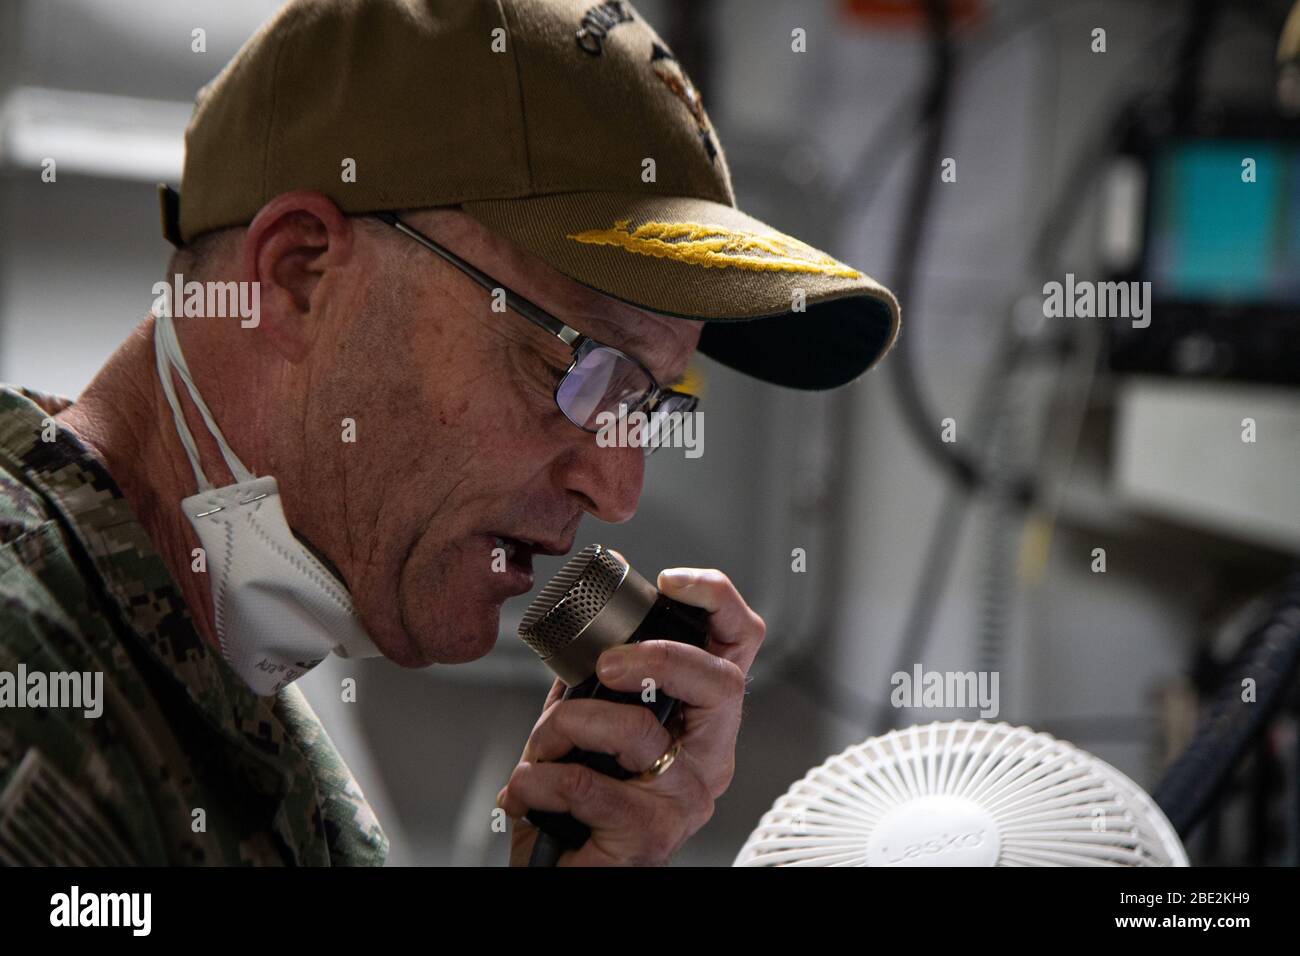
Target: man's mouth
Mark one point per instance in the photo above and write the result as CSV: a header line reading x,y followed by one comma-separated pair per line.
x,y
519,551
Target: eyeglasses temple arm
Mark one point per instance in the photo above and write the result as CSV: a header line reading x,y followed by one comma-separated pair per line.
x,y
528,310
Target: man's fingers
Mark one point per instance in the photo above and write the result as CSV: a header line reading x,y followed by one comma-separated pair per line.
x,y
635,821
631,734
735,630
553,696
711,687
630,824
690,674
591,797
556,692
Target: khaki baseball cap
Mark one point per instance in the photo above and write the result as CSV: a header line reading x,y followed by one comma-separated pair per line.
x,y
565,125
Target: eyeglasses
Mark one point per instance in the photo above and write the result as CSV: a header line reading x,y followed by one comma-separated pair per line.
x,y
601,381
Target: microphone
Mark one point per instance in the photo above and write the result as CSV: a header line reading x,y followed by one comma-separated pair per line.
x,y
597,601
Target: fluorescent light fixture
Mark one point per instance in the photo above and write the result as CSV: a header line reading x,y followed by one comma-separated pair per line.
x,y
116,137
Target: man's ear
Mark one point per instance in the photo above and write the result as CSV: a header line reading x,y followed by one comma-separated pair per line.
x,y
290,247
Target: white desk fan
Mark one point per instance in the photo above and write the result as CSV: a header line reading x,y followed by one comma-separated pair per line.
x,y
964,794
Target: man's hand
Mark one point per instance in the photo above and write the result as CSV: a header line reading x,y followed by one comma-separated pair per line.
x,y
643,822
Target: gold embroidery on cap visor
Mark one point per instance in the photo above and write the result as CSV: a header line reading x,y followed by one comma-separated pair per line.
x,y
717,247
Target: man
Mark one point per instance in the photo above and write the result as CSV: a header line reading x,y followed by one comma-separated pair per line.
x,y
377,179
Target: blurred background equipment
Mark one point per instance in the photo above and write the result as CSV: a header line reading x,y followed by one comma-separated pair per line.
x,y
1111,527
1216,204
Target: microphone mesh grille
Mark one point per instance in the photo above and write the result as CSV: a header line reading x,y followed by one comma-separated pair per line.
x,y
572,598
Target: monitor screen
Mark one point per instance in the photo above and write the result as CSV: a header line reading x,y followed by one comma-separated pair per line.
x,y
1216,238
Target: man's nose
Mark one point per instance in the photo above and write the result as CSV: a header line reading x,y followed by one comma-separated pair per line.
x,y
606,480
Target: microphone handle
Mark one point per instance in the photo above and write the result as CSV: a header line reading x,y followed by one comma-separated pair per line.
x,y
667,620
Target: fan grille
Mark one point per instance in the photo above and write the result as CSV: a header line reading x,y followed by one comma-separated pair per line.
x,y
1051,804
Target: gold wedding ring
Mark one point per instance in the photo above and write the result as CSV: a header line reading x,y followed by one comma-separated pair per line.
x,y
660,766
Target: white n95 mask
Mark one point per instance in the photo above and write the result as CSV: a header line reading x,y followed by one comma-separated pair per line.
x,y
278,610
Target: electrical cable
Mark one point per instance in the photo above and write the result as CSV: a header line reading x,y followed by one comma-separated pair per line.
x,y
997,564
1191,60
917,203
1267,663
915,407
546,851
941,549
870,168
964,471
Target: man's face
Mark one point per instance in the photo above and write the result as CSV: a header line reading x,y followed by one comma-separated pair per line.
x,y
460,448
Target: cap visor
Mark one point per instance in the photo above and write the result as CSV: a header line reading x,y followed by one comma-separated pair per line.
x,y
777,308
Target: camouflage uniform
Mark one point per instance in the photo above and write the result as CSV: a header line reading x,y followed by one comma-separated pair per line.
x,y
83,589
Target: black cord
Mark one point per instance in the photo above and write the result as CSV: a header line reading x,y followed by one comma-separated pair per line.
x,y
546,850
935,104
933,119
1270,658
945,534
917,411
1191,61
872,166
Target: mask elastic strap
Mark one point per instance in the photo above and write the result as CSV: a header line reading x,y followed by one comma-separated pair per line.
x,y
167,352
